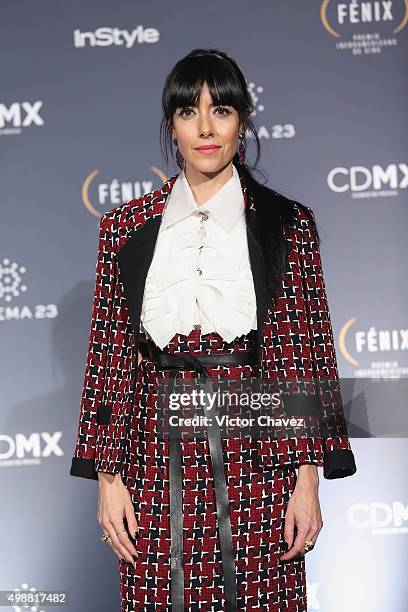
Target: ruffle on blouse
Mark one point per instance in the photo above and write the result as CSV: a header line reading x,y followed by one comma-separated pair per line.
x,y
225,292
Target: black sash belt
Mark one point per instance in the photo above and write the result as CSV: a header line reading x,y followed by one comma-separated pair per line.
x,y
198,363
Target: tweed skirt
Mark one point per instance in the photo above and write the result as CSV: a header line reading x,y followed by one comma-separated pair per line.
x,y
258,500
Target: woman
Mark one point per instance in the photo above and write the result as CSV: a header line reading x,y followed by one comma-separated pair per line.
x,y
217,277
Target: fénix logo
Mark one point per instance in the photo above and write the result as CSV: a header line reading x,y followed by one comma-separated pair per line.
x,y
21,449
19,115
335,14
108,37
367,27
370,341
99,195
380,517
366,182
374,340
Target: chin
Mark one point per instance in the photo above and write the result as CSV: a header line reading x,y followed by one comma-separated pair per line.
x,y
210,166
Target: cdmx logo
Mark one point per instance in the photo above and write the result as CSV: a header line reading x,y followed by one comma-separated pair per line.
x,y
377,179
22,448
381,518
20,115
337,14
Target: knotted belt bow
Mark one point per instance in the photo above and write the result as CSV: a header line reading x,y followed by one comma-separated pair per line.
x,y
197,363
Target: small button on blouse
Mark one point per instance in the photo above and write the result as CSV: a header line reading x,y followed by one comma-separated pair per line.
x,y
200,275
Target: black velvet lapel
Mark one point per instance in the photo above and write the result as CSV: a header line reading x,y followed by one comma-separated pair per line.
x,y
134,260
258,273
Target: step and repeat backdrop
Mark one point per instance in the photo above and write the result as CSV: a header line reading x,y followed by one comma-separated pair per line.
x,y
80,109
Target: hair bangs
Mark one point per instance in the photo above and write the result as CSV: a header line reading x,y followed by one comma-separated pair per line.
x,y
186,88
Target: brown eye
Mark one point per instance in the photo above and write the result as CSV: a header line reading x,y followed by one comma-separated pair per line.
x,y
224,110
185,111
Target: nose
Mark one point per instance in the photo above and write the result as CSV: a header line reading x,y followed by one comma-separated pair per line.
x,y
204,126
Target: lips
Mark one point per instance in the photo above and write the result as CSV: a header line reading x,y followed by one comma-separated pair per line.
x,y
207,148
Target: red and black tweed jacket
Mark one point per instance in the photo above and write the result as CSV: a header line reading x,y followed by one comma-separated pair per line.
x,y
295,340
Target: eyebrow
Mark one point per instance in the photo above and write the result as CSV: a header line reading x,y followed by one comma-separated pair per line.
x,y
195,105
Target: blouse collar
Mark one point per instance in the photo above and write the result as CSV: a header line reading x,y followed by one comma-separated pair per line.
x,y
225,207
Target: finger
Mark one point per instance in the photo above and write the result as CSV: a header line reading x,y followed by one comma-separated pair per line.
x,y
132,524
297,548
289,530
117,545
110,531
123,538
313,531
311,536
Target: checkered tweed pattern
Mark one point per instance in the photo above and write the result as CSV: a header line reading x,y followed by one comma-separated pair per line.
x,y
299,344
297,341
117,428
258,500
110,372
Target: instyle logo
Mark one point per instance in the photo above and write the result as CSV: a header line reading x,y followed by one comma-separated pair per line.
x,y
29,450
18,115
99,196
366,27
108,37
369,182
12,286
380,518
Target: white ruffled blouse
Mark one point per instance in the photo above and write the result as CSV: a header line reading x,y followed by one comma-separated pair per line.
x,y
200,274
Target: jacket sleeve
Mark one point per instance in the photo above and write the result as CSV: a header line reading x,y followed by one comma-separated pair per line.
x,y
101,432
338,459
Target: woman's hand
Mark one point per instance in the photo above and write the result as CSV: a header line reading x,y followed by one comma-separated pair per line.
x,y
303,511
115,504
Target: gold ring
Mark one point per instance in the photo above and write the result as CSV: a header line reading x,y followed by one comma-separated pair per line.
x,y
308,545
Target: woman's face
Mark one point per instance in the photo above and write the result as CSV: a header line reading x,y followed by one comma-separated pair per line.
x,y
204,125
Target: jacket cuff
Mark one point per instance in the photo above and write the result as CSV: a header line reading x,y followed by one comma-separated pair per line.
x,y
339,463
84,468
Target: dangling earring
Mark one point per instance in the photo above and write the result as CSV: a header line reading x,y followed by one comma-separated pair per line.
x,y
179,157
241,149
